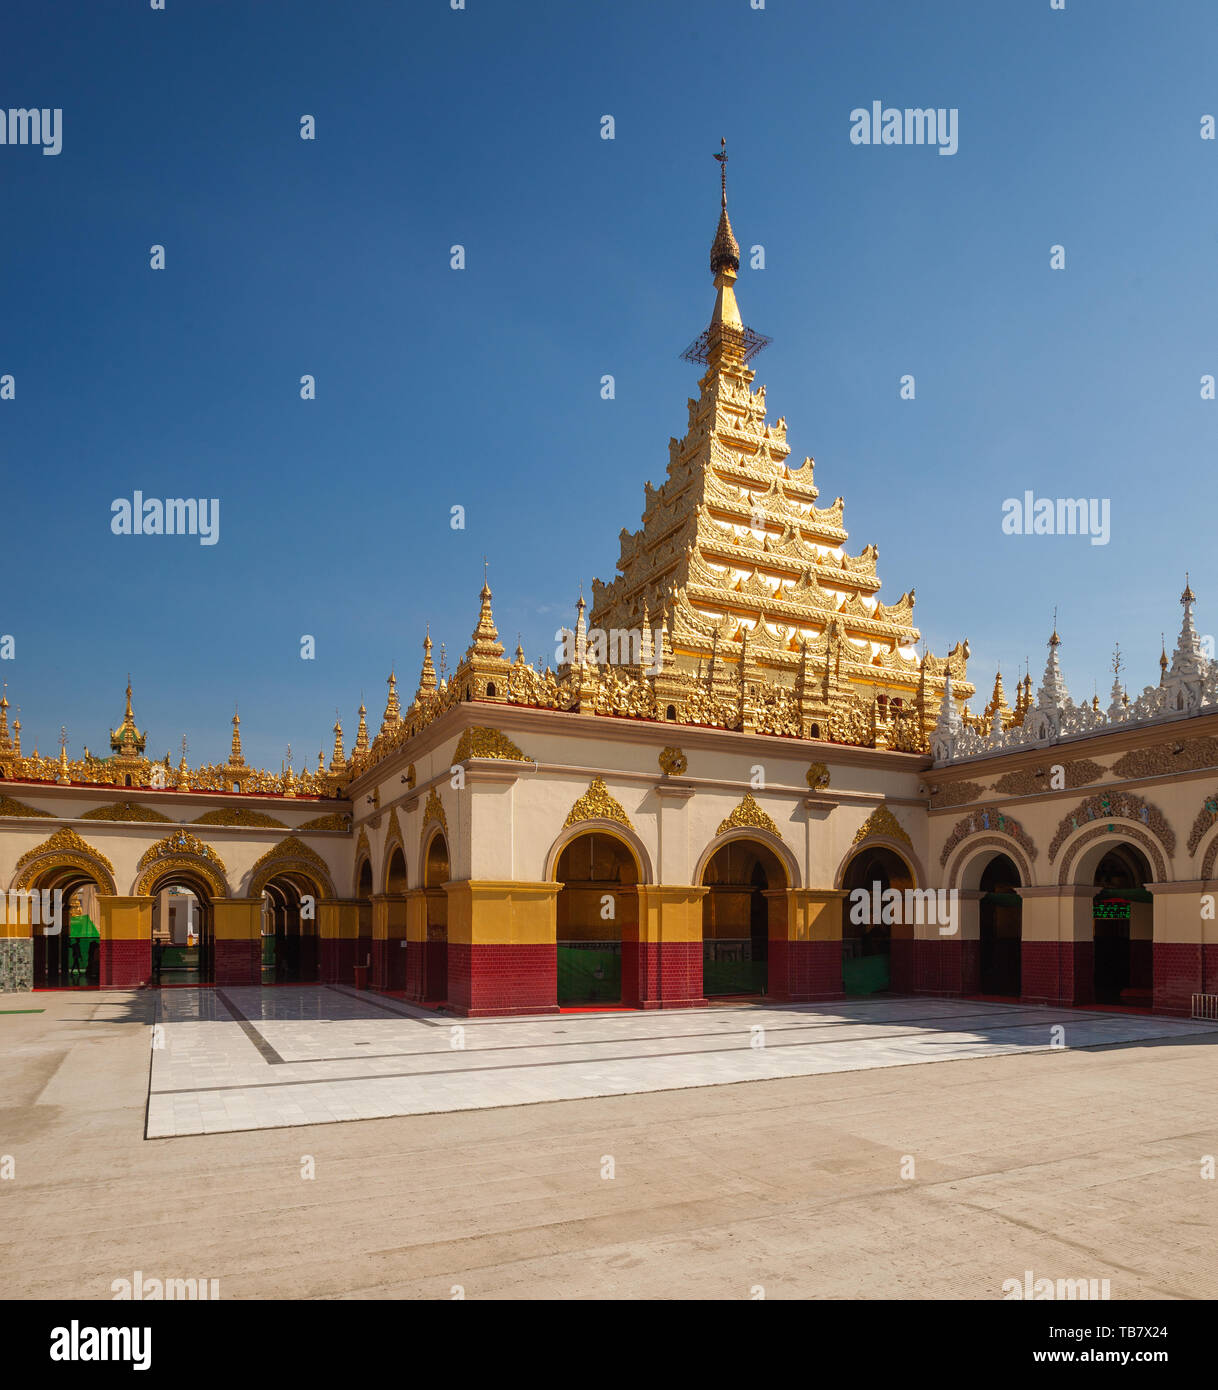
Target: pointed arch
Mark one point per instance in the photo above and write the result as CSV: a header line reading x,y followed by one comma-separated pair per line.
x,y
291,855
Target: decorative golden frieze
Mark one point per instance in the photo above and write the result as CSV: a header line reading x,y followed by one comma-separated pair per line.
x,y
488,743
1025,781
239,815
363,850
882,823
126,811
673,762
9,807
956,793
334,821
748,813
597,803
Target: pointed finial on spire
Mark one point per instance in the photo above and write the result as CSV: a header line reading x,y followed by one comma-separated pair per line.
x,y
1187,596
339,759
725,249
235,759
361,733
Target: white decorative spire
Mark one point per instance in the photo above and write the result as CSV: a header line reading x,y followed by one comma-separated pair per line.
x,y
1052,694
1189,667
949,726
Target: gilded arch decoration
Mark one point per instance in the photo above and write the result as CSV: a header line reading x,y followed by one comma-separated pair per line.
x,y
127,811
9,807
434,810
748,815
65,849
239,815
597,803
1117,831
182,853
478,742
394,840
902,848
290,855
882,824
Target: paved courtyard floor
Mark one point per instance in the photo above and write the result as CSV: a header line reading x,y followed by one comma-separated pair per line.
x,y
908,1181
249,1058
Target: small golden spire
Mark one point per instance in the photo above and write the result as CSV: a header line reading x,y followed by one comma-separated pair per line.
x,y
339,759
427,675
485,639
183,770
725,249
1162,658
393,709
235,758
5,740
65,775
361,733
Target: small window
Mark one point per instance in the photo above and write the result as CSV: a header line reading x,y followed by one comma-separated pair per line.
x,y
490,690
815,731
672,712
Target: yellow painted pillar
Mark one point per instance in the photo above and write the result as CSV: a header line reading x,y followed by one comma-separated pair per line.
x,y
502,947
237,941
338,932
805,943
663,968
125,949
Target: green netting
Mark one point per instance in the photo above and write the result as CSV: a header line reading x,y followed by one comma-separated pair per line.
x,y
865,974
590,972
733,976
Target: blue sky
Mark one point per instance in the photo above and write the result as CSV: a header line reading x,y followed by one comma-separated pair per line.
x,y
481,388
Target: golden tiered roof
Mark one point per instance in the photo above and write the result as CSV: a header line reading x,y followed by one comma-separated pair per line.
x,y
736,554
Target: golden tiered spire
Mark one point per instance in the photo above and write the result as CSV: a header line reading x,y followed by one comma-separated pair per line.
x,y
235,758
1162,658
393,708
485,638
998,704
361,734
127,740
733,539
427,676
183,770
338,760
6,741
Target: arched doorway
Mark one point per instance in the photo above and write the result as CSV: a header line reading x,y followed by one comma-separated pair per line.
x,y
1001,929
183,936
1122,919
70,957
435,955
598,901
363,891
736,917
866,937
289,930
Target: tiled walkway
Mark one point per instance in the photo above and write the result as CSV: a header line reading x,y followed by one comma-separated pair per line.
x,y
247,1058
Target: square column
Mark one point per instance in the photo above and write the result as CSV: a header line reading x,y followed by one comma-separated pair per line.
x,y
416,943
125,949
238,940
805,930
950,964
502,948
662,967
338,932
16,951
1185,943
1058,953
389,941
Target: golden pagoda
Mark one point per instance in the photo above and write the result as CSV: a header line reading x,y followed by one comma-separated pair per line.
x,y
753,575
